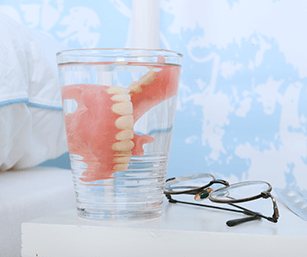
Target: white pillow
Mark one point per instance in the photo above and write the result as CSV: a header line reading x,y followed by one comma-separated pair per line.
x,y
31,118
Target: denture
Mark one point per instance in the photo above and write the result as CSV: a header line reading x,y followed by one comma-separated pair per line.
x,y
101,128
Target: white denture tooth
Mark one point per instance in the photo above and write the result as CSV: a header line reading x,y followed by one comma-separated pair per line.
x,y
120,63
121,167
124,134
117,90
135,86
121,98
123,159
125,145
122,153
148,78
123,108
124,122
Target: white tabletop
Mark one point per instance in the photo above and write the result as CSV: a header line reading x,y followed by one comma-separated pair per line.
x,y
181,231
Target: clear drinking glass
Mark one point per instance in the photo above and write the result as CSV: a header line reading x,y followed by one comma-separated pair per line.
x,y
119,108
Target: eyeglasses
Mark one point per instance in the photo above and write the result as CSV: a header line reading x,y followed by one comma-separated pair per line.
x,y
200,184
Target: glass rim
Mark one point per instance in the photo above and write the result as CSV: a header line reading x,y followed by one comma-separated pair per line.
x,y
67,51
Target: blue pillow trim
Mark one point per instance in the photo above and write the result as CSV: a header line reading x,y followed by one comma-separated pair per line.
x,y
14,101
44,106
26,101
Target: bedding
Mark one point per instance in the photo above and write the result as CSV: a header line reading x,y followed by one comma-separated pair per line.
x,y
31,119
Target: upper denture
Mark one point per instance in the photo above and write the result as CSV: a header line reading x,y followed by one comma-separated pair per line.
x,y
123,107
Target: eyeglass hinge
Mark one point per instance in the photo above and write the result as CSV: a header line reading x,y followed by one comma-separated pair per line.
x,y
170,199
265,194
274,219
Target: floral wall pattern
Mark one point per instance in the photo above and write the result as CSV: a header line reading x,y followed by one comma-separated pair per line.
x,y
242,102
241,110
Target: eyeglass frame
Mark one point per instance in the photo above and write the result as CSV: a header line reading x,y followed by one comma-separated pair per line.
x,y
197,190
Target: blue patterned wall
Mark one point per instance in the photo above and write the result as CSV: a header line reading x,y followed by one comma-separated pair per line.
x,y
242,100
77,24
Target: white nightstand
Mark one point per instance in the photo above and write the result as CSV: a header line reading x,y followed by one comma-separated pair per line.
x,y
181,231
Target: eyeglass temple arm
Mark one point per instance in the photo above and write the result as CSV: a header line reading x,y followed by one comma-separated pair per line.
x,y
275,215
232,223
251,215
257,216
171,200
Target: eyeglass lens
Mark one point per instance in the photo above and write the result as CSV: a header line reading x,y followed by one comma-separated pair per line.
x,y
239,191
188,182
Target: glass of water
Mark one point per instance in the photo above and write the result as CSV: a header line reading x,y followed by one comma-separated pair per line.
x,y
119,108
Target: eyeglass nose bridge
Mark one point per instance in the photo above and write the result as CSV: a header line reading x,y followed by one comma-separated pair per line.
x,y
220,181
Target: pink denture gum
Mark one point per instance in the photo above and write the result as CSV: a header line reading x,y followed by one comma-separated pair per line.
x,y
101,128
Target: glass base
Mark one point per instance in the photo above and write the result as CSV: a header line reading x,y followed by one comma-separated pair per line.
x,y
134,194
107,214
